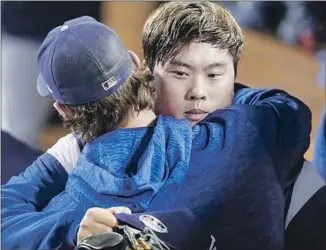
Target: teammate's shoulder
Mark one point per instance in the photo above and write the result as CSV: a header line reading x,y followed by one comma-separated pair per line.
x,y
67,150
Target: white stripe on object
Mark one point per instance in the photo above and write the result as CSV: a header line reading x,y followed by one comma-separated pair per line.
x,y
66,151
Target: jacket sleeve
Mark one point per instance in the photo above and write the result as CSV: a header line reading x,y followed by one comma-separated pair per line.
x,y
41,230
35,187
24,225
294,117
284,123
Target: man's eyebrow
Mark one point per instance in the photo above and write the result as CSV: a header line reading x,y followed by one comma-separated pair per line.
x,y
210,66
216,65
180,63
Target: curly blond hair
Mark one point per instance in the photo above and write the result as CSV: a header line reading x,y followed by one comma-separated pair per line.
x,y
111,112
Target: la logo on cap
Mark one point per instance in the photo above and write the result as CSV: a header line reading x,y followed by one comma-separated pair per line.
x,y
64,27
109,83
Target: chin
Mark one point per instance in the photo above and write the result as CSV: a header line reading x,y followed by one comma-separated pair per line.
x,y
193,123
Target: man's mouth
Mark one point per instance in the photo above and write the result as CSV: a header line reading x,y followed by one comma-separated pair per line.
x,y
195,115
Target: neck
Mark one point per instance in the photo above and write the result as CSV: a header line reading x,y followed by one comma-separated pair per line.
x,y
143,118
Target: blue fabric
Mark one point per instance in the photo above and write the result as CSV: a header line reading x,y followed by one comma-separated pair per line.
x,y
184,230
129,166
235,194
319,159
239,189
233,151
240,161
22,201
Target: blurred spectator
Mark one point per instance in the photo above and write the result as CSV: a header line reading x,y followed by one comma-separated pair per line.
x,y
321,59
257,15
319,159
248,14
24,25
317,10
318,13
295,22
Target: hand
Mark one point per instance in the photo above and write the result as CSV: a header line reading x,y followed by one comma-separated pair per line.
x,y
99,220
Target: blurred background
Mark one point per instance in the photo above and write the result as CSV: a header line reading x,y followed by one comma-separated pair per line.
x,y
285,48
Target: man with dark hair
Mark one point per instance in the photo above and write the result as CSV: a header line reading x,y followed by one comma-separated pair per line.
x,y
197,47
192,86
247,144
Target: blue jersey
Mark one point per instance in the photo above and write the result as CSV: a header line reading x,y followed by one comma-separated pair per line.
x,y
215,169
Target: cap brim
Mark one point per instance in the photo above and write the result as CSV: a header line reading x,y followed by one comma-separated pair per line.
x,y
184,231
41,86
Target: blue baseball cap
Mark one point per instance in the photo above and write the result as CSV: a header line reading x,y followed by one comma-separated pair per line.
x,y
82,61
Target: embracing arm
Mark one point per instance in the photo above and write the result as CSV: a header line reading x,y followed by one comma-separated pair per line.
x,y
41,230
293,116
24,196
45,178
285,131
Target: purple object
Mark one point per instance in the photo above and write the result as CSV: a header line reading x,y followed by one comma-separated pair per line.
x,y
15,156
183,230
82,61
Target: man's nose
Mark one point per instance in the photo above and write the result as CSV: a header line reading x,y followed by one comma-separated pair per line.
x,y
197,91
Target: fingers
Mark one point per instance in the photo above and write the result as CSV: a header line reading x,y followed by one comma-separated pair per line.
x,y
120,210
96,220
101,216
99,220
88,228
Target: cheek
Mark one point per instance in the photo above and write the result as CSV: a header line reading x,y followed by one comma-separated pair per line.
x,y
222,95
169,99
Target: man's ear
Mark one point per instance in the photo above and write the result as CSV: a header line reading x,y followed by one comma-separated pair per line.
x,y
63,111
135,59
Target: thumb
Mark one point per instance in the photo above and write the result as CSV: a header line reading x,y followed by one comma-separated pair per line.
x,y
119,210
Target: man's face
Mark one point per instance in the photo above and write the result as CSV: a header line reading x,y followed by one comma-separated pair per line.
x,y
195,83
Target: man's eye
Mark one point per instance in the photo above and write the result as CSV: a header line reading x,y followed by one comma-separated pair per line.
x,y
179,73
214,76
